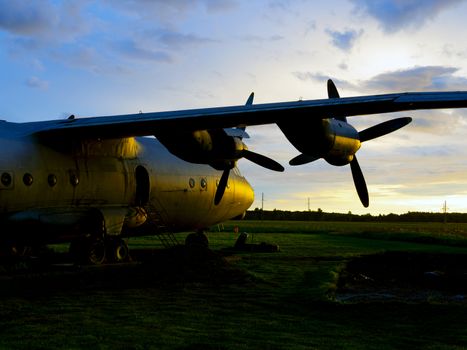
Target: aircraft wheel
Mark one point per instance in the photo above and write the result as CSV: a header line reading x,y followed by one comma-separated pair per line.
x,y
118,250
197,239
89,251
96,252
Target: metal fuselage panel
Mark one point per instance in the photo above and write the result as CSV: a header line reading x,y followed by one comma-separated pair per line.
x,y
39,180
77,178
183,193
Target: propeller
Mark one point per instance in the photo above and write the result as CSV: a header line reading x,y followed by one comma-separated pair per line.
x,y
357,174
261,160
383,128
221,186
365,135
303,159
254,157
359,182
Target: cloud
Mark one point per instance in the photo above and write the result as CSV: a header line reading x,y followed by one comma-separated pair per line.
x,y
423,78
219,6
322,78
344,40
418,78
395,15
82,34
343,66
169,10
43,20
25,17
176,40
426,78
260,39
130,49
37,83
157,45
83,57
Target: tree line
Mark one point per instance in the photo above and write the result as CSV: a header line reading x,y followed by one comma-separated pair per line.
x,y
320,215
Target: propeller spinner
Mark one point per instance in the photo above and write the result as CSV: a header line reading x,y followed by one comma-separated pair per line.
x,y
340,154
243,152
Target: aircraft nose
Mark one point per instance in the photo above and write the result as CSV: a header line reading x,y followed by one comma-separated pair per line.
x,y
244,192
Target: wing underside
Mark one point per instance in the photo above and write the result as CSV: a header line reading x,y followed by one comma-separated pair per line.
x,y
224,117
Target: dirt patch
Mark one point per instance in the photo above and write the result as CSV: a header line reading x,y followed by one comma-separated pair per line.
x,y
404,276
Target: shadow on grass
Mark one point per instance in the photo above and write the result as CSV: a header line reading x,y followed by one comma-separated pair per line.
x,y
149,268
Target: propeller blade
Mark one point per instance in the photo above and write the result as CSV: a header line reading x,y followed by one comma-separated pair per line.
x,y
303,159
333,93
221,186
359,182
249,101
332,90
383,128
262,160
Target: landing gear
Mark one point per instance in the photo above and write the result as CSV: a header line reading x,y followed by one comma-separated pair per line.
x,y
95,251
88,251
198,239
117,250
10,249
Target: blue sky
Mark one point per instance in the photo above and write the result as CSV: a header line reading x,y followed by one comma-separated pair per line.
x,y
113,57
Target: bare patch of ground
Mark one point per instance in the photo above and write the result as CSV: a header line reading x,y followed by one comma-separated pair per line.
x,y
404,276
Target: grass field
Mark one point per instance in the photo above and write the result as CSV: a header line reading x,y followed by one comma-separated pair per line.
x,y
244,300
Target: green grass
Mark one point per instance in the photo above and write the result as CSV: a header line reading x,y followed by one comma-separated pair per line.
x,y
286,303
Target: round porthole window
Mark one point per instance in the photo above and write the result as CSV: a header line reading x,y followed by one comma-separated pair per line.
x,y
28,179
6,179
204,183
52,180
191,182
74,180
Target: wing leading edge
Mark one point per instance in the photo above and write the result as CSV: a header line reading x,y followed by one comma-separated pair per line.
x,y
224,117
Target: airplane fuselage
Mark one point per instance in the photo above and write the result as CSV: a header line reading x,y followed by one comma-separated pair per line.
x,y
62,189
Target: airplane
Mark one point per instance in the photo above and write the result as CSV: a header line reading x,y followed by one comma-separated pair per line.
x,y
94,181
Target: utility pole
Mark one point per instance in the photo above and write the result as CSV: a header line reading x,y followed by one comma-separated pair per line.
x,y
445,212
308,203
262,204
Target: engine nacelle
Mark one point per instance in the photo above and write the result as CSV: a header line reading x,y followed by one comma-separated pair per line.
x,y
346,143
334,140
213,147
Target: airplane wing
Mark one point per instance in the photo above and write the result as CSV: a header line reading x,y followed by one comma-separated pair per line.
x,y
224,117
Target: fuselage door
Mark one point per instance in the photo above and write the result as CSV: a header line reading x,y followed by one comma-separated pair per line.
x,y
142,186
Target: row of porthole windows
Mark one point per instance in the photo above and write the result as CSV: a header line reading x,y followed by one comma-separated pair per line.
x,y
203,183
7,180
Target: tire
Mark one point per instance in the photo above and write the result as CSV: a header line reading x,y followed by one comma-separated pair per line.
x,y
117,250
96,252
88,251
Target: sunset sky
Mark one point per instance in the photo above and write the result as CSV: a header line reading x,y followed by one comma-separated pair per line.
x,y
92,58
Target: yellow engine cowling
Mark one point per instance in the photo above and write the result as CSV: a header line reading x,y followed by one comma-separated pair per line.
x,y
345,143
